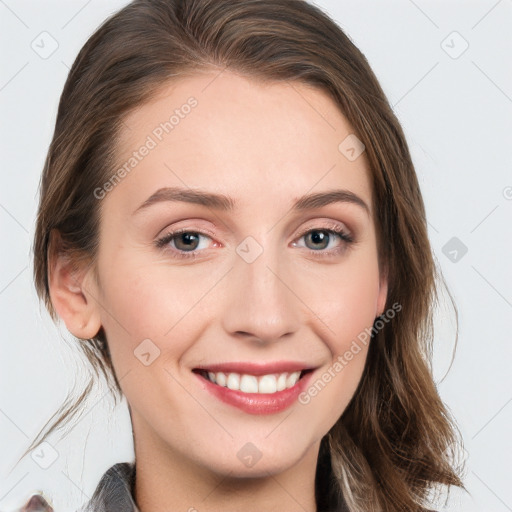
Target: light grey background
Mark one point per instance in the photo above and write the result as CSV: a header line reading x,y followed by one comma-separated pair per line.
x,y
455,105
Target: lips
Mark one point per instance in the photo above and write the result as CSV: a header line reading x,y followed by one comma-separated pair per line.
x,y
253,387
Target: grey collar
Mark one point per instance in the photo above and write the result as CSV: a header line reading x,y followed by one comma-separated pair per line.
x,y
114,492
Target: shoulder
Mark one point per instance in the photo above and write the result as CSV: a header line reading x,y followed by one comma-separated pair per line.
x,y
36,503
114,490
121,474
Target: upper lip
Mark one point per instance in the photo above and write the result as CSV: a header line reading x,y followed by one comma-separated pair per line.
x,y
255,368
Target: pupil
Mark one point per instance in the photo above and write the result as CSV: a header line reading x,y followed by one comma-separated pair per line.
x,y
188,239
319,237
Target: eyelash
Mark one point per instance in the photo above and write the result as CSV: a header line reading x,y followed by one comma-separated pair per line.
x,y
333,229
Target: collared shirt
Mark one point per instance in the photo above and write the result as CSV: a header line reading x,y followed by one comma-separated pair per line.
x,y
114,492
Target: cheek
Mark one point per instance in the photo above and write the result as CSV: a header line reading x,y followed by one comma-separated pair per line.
x,y
150,301
347,305
344,299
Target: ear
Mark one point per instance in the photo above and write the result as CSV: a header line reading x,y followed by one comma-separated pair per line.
x,y
72,292
383,293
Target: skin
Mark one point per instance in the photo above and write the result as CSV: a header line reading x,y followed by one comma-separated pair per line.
x,y
264,145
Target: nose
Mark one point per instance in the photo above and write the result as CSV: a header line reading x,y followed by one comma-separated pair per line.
x,y
261,304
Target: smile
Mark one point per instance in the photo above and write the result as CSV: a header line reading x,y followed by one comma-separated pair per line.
x,y
263,384
264,393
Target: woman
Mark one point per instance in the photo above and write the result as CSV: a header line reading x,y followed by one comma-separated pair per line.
x,y
231,226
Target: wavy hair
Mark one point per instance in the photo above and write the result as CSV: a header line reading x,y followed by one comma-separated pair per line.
x,y
395,441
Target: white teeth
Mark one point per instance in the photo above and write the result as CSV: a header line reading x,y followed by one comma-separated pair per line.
x,y
249,384
292,379
233,381
220,378
266,384
281,382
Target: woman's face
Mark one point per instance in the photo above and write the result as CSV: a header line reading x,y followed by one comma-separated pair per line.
x,y
259,276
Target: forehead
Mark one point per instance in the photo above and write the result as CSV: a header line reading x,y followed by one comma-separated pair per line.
x,y
235,135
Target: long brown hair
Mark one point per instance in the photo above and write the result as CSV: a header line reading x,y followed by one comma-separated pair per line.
x,y
395,441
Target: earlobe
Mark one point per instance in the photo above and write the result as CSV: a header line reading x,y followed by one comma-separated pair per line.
x,y
71,298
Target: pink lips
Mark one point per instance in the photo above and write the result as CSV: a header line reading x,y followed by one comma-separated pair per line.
x,y
256,403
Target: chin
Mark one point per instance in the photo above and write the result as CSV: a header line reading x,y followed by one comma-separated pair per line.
x,y
251,462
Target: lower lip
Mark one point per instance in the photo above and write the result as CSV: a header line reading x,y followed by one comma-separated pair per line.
x,y
257,403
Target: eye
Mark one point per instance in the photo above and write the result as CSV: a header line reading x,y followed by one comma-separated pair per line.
x,y
323,240
184,243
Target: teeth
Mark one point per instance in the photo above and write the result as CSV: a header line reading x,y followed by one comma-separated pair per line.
x,y
281,382
219,378
233,381
292,379
249,384
266,384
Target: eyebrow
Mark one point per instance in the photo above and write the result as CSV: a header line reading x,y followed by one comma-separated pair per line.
x,y
222,202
